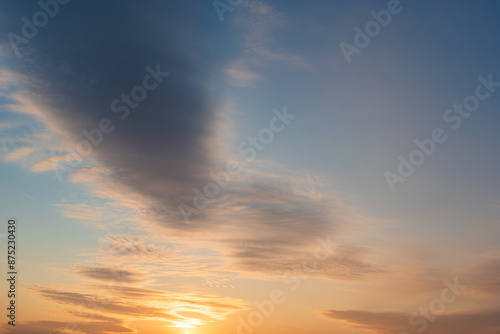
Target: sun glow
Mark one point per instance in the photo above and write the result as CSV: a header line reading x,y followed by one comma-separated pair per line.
x,y
188,323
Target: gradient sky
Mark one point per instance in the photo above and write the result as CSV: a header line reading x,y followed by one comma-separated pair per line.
x,y
306,234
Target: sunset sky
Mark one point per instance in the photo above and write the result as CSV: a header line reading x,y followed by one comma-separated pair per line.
x,y
250,166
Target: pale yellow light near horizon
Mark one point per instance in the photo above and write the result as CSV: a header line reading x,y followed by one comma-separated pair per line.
x,y
188,323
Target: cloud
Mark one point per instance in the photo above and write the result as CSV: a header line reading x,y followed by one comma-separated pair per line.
x,y
130,303
111,274
240,76
18,154
109,304
60,327
47,165
135,246
27,143
263,26
80,211
270,223
163,142
343,265
483,274
487,322
262,223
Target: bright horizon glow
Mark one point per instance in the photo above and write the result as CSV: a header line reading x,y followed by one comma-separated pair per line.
x,y
187,324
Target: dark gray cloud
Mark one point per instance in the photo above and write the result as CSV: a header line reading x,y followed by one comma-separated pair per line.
x,y
91,52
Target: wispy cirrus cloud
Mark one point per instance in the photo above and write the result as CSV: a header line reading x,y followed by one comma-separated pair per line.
x,y
126,303
61,327
136,246
240,76
80,211
264,26
104,273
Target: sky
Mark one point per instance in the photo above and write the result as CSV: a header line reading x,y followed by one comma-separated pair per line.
x,y
250,166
